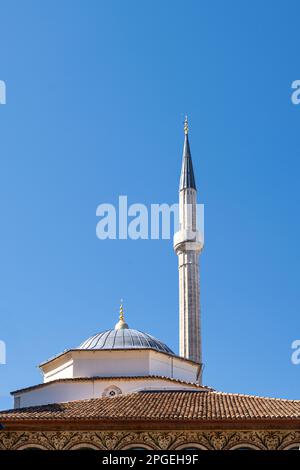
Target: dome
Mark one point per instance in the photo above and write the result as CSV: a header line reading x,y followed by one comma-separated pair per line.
x,y
124,338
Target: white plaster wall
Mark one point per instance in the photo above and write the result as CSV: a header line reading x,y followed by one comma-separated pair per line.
x,y
111,363
69,391
184,370
56,393
160,364
119,364
173,367
63,370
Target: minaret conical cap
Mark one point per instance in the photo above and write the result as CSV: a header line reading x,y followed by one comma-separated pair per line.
x,y
187,178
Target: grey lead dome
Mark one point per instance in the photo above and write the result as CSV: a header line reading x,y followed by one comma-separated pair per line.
x,y
124,339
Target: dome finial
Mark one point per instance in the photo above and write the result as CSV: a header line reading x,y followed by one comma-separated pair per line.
x,y
121,325
121,316
186,126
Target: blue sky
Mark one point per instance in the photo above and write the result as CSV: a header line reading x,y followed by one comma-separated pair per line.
x,y
96,95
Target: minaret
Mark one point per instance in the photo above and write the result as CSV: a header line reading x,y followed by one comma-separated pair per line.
x,y
188,245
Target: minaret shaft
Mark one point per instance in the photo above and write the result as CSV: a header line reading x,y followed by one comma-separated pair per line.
x,y
189,306
187,245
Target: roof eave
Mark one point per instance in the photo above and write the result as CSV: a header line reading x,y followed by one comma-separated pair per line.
x,y
42,364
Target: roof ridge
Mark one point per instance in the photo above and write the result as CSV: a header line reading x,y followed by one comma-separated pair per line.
x,y
217,392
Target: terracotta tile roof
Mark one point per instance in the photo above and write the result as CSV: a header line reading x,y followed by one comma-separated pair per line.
x,y
88,379
202,406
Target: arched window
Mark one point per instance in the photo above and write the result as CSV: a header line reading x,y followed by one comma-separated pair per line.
x,y
293,447
136,447
31,447
111,391
244,447
191,446
83,446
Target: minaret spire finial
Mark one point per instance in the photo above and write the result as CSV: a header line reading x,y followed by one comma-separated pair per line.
x,y
186,126
187,178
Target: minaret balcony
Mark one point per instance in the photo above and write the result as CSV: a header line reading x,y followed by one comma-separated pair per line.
x,y
186,240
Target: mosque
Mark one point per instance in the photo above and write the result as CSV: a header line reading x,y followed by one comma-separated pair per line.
x,y
125,389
